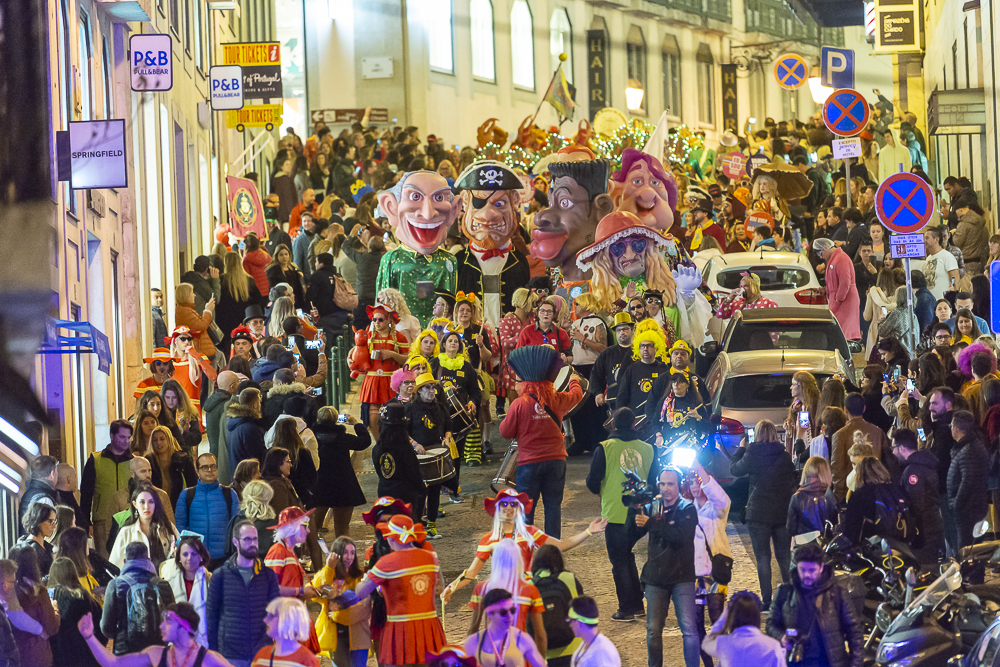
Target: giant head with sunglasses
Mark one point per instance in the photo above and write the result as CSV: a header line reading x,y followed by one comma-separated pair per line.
x,y
643,186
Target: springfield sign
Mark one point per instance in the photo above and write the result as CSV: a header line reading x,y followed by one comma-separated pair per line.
x,y
97,154
261,63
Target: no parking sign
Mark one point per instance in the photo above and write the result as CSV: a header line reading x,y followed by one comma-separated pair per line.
x,y
791,71
904,203
846,112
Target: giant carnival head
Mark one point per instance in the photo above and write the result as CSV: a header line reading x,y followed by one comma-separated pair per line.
x,y
420,208
644,186
578,200
491,192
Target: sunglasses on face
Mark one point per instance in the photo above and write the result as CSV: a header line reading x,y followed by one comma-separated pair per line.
x,y
653,299
618,247
185,339
508,503
378,320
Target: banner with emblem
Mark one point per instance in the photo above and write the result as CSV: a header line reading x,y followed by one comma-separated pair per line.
x,y
245,211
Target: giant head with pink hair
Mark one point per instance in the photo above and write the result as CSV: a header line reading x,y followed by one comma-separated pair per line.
x,y
645,188
965,358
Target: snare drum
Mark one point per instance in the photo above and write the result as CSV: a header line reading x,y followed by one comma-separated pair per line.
x,y
506,477
462,420
436,466
562,384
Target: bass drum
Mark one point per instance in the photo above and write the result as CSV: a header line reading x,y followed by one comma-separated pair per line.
x,y
506,477
436,466
562,384
462,420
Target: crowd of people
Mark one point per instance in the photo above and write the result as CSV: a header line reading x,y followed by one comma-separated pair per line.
x,y
567,305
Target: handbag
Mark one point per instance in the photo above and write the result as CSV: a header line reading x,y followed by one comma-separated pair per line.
x,y
215,334
722,565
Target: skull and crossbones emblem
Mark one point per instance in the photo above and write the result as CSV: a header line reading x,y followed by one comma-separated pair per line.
x,y
491,177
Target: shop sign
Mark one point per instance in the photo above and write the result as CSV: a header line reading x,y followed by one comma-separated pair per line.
x,y
261,63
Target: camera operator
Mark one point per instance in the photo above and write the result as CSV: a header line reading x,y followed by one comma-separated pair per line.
x,y
669,572
625,450
813,618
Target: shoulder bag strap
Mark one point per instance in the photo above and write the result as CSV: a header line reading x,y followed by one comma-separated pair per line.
x,y
549,412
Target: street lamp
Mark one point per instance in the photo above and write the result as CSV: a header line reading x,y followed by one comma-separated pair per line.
x,y
817,89
633,95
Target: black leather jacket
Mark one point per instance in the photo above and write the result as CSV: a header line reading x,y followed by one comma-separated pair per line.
x,y
810,510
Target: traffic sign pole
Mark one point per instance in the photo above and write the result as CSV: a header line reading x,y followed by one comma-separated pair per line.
x,y
909,306
847,168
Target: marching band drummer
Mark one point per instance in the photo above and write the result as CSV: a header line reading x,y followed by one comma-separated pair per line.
x,y
452,365
429,427
680,410
508,510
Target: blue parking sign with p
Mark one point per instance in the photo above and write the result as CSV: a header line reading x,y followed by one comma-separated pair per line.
x,y
837,67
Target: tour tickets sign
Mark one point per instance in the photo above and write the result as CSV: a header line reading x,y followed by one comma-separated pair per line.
x,y
267,116
261,63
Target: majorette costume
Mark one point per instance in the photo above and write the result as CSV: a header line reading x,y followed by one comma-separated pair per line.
x,y
286,564
376,389
192,389
407,578
486,544
159,354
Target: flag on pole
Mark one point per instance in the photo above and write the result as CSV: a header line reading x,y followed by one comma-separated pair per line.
x,y
245,211
560,95
656,145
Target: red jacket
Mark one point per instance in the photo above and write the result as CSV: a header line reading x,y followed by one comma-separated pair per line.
x,y
255,263
538,436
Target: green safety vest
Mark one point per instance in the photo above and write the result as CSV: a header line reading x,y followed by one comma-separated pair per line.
x,y
109,477
633,455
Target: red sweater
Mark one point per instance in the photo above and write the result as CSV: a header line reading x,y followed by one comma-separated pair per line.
x,y
538,437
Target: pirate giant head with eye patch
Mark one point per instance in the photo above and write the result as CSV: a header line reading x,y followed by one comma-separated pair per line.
x,y
491,266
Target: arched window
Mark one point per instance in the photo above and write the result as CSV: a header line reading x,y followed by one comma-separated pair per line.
x,y
438,15
561,41
481,24
671,65
635,45
706,82
522,45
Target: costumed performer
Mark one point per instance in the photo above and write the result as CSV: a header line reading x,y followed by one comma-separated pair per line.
x,y
395,460
765,197
649,354
508,510
491,265
482,349
420,208
291,531
388,350
189,365
451,366
429,428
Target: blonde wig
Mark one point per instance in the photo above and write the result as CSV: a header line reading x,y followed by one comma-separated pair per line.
x,y
394,300
294,622
588,302
424,334
756,186
520,529
605,285
657,337
506,570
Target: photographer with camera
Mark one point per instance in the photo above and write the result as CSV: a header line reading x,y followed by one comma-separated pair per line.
x,y
669,573
624,445
813,617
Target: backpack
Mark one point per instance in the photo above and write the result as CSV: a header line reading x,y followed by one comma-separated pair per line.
x,y
143,606
892,513
189,498
556,595
343,294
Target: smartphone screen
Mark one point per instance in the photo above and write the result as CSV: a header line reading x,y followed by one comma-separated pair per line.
x,y
895,373
920,432
885,377
749,435
341,419
804,419
323,547
909,384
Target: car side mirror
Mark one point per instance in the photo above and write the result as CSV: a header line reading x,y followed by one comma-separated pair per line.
x,y
855,347
981,528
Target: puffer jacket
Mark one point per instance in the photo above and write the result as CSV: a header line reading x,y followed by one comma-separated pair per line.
x,y
235,610
264,369
255,263
836,618
920,482
199,324
244,435
968,477
810,509
126,626
972,238
209,516
772,481
274,406
36,491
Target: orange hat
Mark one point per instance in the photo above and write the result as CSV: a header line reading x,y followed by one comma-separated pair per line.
x,y
402,529
371,310
159,354
456,653
491,503
291,515
383,505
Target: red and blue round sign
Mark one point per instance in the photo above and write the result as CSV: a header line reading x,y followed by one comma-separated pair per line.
x,y
791,71
904,203
846,112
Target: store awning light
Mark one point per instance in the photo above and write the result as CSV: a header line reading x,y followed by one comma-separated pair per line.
x,y
817,89
633,95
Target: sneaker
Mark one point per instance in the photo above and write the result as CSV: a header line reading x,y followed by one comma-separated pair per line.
x,y
455,498
640,613
487,448
622,616
432,532
441,514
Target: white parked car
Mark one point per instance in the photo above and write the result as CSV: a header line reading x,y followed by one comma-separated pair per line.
x,y
787,278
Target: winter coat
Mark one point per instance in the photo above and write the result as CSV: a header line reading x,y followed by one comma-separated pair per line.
x,y
69,648
244,435
181,471
214,409
890,157
230,312
284,494
209,515
920,482
255,263
199,593
836,618
809,510
235,610
36,491
968,479
842,293
275,275
205,289
843,440
303,478
898,324
36,651
712,516
972,238
264,369
671,545
274,406
185,315
133,533
874,303
308,437
338,485
772,481
116,621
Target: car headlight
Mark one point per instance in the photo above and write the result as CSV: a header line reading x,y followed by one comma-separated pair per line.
x,y
887,651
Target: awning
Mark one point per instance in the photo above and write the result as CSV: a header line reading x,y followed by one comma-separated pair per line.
x,y
86,339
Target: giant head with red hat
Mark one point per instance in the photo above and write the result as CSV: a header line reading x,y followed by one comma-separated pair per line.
x,y
242,339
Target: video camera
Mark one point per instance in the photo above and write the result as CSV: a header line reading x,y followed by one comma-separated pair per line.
x,y
638,495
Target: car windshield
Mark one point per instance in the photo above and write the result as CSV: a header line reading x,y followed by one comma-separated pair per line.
x,y
759,392
772,278
787,335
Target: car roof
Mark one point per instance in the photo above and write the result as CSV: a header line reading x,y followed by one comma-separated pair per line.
x,y
771,314
769,362
732,260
